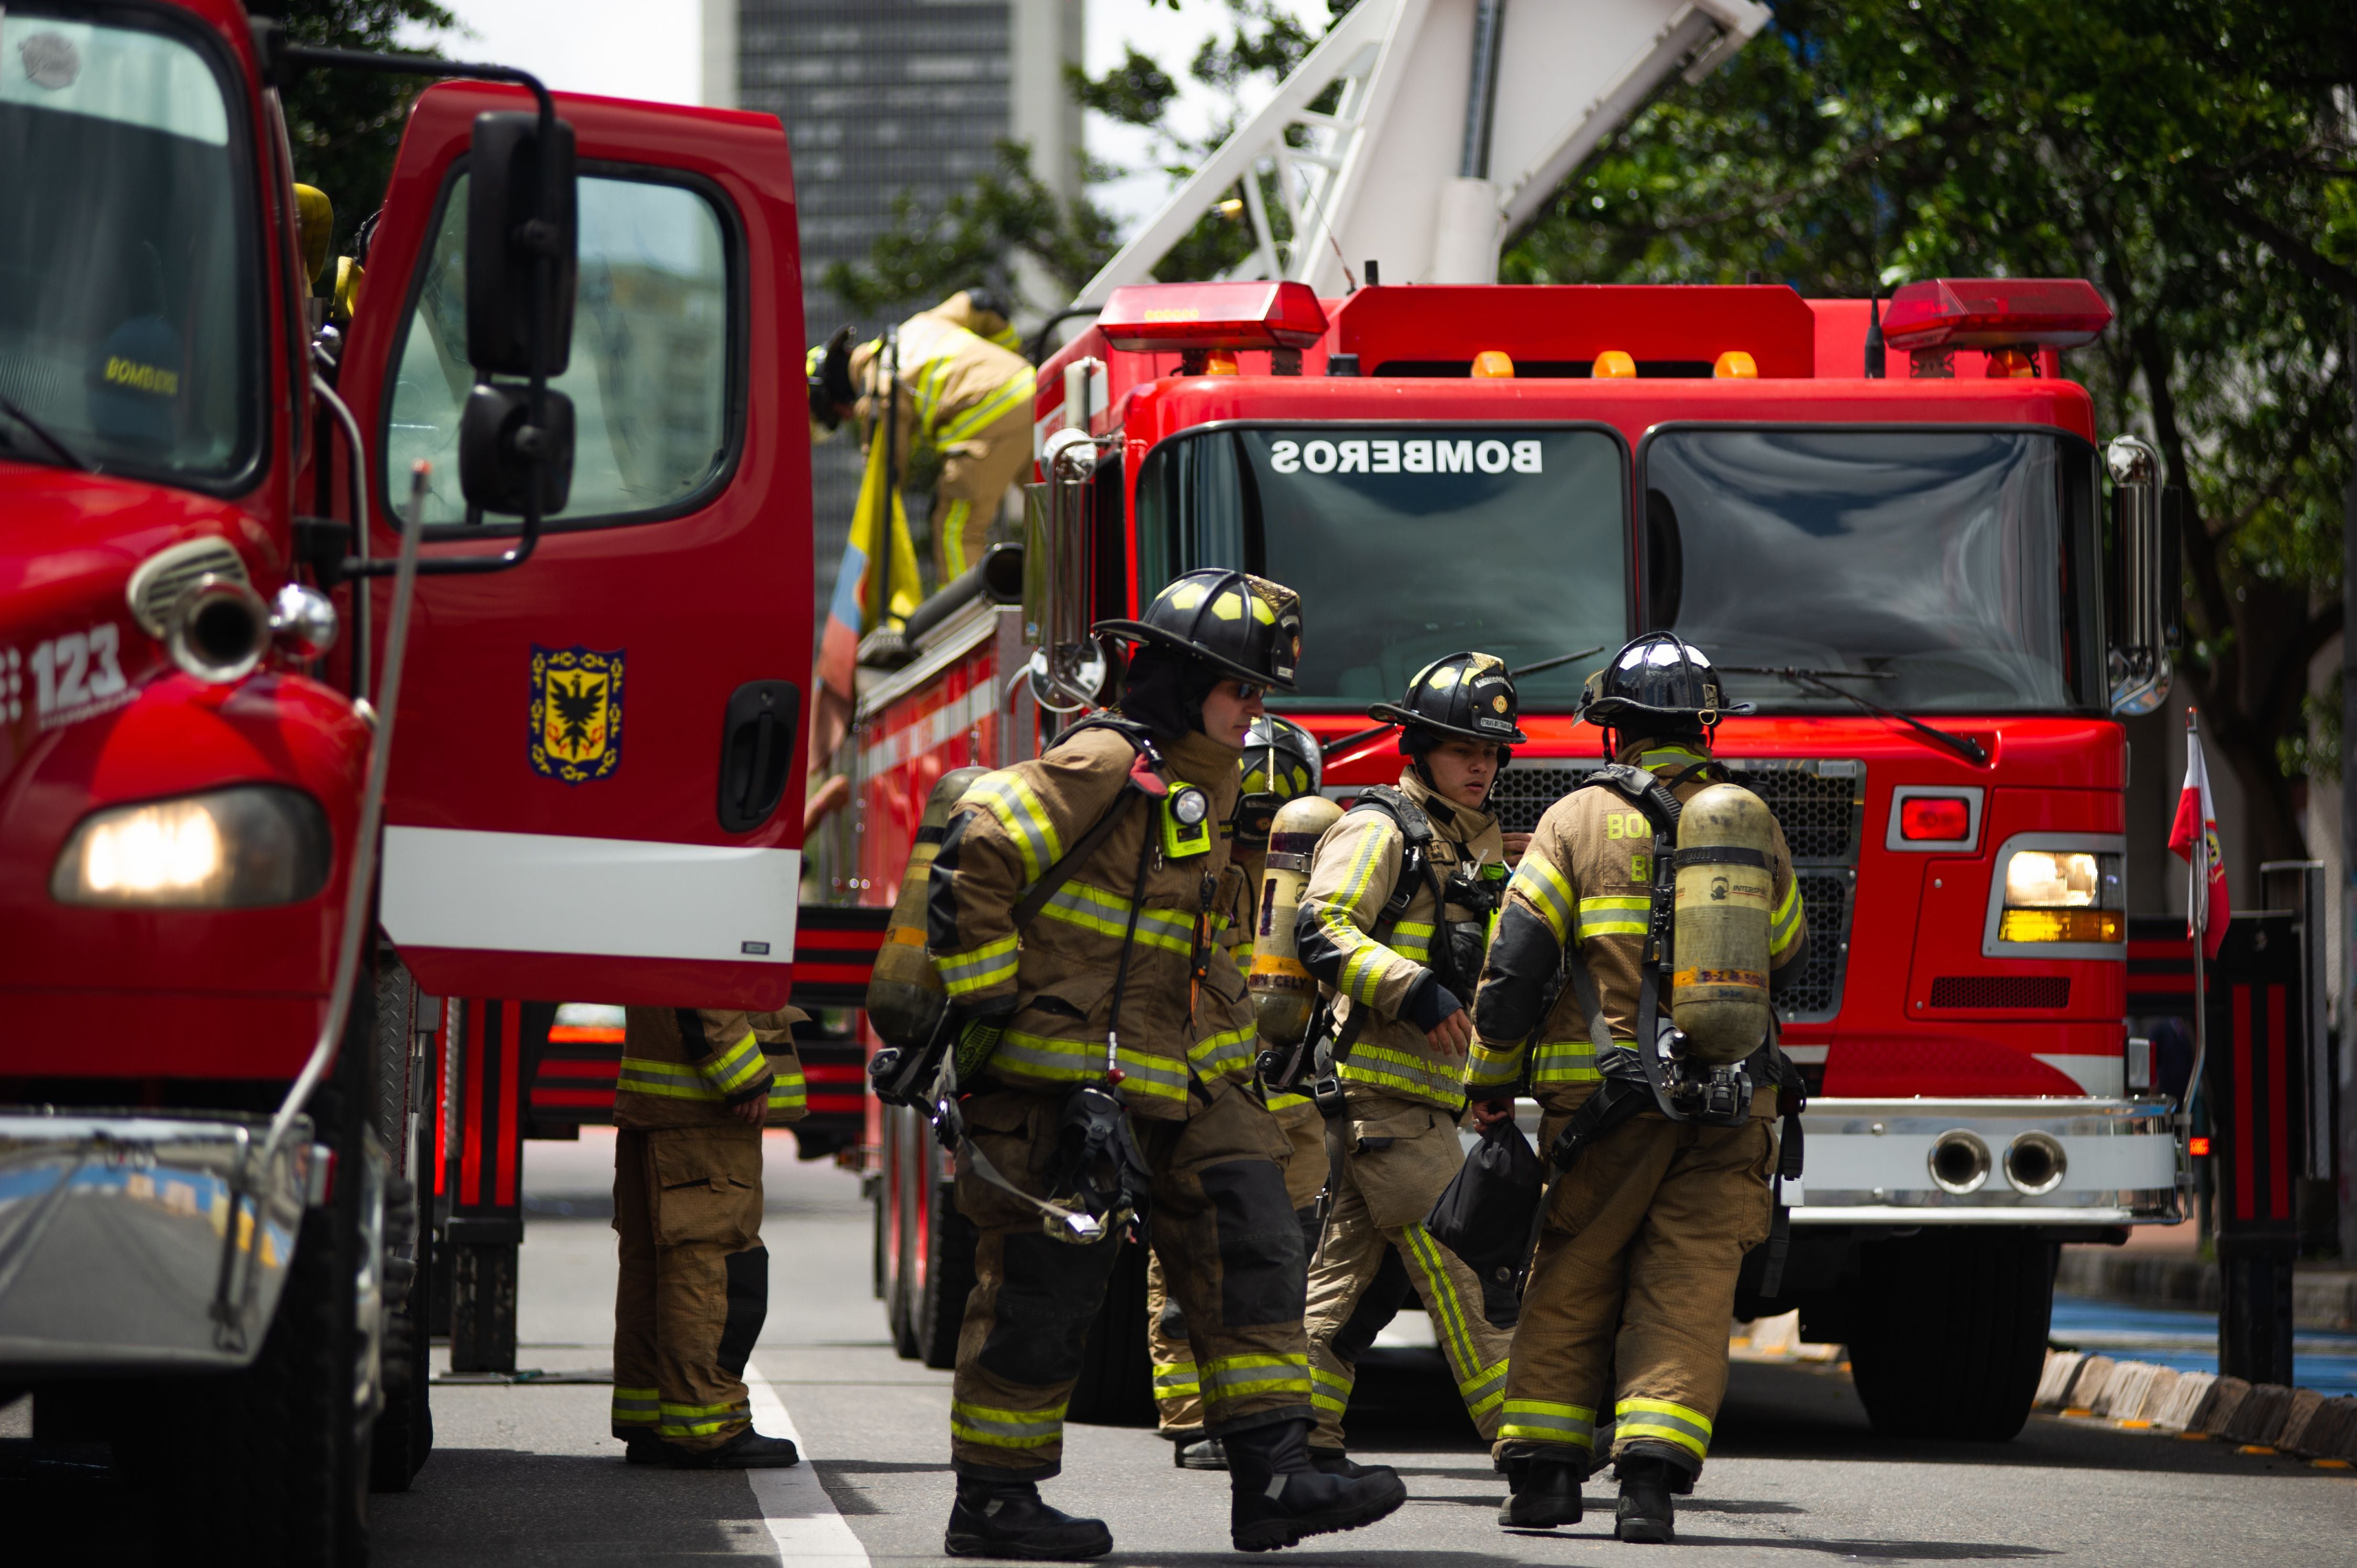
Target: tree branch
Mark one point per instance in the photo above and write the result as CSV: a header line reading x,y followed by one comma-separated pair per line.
x,y
2289,246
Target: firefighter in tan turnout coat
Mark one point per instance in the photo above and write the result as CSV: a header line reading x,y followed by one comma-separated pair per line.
x,y
1118,1076
1624,1316
695,1088
1393,926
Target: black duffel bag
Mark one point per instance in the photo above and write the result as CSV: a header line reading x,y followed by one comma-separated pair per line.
x,y
1484,1216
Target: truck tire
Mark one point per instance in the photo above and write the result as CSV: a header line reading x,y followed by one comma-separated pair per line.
x,y
1950,1333
404,1431
1116,1384
945,1275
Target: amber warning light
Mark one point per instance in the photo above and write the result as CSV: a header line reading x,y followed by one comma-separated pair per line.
x,y
1995,313
1149,318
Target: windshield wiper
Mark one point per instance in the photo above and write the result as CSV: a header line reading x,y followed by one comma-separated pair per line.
x,y
1348,741
1822,680
66,455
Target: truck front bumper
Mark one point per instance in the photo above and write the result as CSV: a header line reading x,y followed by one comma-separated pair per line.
x,y
2090,1163
117,1249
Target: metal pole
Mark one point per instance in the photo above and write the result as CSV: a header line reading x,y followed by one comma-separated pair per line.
x,y
2197,923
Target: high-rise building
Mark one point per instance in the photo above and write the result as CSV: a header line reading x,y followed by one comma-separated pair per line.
x,y
886,99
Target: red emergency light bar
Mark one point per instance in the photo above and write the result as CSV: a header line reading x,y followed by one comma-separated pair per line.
x,y
1167,317
1995,313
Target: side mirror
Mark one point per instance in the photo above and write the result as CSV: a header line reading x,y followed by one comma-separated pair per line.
x,y
503,455
520,235
2146,556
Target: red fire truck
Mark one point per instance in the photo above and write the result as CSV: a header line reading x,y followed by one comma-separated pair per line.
x,y
545,483
1913,574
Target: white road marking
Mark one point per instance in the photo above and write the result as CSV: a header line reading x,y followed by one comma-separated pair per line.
x,y
800,1516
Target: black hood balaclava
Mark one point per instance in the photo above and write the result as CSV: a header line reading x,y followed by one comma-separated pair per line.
x,y
1164,690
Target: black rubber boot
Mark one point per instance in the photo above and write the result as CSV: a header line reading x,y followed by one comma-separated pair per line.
x,y
1199,1454
748,1450
644,1450
1338,1462
1277,1497
1545,1494
1647,1512
1009,1518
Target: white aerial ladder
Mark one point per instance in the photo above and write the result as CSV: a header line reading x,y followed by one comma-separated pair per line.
x,y
1434,96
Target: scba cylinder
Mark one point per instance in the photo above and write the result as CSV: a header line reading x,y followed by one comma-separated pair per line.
x,y
905,995
1283,993
1725,891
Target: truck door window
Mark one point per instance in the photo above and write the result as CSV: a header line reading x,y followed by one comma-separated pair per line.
x,y
653,342
1405,542
129,322
1952,569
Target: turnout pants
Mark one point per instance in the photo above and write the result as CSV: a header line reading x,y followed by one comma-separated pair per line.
x,y
1177,1392
1230,1254
1625,1315
972,485
694,1282
1397,1156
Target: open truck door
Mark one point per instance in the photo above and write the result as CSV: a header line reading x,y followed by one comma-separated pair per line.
x,y
598,792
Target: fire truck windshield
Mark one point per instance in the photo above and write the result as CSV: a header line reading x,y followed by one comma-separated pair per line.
x,y
128,274
1405,542
1956,567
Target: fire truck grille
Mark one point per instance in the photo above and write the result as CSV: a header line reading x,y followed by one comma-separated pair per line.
x,y
1819,804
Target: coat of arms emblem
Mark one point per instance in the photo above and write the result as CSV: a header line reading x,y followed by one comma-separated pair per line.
x,y
577,712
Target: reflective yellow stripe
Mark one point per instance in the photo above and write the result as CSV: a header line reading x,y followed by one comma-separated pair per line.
x,y
1042,1057
1019,391
953,538
1784,926
1175,1380
1222,1053
1566,1061
1330,1390
636,1407
1539,1421
1490,1067
1545,888
1614,915
700,1420
1239,1377
1661,756
1665,1421
1107,914
1011,801
668,1081
1388,1069
1440,1298
786,1089
736,1068
997,1428
977,969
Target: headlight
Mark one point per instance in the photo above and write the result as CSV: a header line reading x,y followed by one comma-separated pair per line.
x,y
2063,896
226,849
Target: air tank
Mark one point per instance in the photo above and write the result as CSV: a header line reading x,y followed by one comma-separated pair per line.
x,y
1283,993
1725,891
905,995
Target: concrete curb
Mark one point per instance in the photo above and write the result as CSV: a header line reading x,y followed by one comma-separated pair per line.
x,y
2325,1299
2141,1396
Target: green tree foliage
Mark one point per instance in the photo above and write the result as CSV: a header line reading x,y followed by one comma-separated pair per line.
x,y
2193,158
346,123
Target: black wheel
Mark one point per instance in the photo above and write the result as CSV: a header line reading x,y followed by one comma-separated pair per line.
x,y
1116,1386
1950,1333
946,1278
404,1431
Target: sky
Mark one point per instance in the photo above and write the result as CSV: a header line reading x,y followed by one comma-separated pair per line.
x,y
653,49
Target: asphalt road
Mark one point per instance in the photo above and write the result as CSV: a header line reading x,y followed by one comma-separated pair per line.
x,y
525,1474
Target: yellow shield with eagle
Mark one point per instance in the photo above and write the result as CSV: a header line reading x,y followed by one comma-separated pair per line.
x,y
577,712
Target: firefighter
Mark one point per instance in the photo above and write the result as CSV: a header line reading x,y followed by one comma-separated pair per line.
x,y
1280,760
695,1088
1624,1315
1393,925
1106,1065
964,391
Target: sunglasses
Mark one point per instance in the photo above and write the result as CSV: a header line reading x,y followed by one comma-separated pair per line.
x,y
1248,691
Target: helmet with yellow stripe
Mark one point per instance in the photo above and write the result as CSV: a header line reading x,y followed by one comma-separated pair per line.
x,y
1245,628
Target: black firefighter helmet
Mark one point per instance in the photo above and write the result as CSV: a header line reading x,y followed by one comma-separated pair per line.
x,y
1463,696
828,369
1247,627
1657,681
